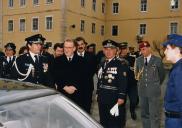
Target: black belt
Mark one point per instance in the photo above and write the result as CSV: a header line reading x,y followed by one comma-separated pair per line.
x,y
173,114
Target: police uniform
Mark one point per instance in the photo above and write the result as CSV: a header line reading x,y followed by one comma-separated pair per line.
x,y
132,90
150,75
173,96
29,69
112,82
6,62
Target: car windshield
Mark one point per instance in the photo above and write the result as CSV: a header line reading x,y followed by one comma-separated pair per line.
x,y
52,111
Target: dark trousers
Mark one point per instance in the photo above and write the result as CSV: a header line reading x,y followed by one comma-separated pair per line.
x,y
87,100
133,97
173,122
109,121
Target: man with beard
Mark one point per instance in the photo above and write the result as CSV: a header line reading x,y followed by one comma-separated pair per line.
x,y
90,68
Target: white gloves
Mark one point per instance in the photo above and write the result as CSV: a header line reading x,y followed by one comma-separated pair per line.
x,y
114,110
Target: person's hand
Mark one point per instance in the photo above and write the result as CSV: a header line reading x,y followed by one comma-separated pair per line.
x,y
70,89
120,101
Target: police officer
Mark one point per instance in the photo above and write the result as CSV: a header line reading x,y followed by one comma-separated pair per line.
x,y
6,61
111,90
32,67
150,74
132,90
173,96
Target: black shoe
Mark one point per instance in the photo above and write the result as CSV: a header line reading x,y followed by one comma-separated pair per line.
x,y
133,115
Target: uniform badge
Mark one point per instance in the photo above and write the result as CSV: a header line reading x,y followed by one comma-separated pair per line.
x,y
124,74
106,77
45,67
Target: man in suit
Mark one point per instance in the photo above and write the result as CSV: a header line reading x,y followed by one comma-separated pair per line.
x,y
150,74
90,65
32,67
132,90
68,73
111,89
7,61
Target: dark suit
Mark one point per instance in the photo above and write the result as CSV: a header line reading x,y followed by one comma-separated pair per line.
x,y
6,67
90,69
69,73
39,72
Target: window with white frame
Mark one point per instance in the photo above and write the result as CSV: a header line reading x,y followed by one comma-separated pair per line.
x,y
22,3
10,3
22,25
10,25
102,30
35,2
49,22
143,29
174,4
93,27
143,5
82,25
82,3
174,28
103,7
35,24
114,30
115,8
94,5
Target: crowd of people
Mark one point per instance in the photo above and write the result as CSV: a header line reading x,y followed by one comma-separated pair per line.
x,y
121,71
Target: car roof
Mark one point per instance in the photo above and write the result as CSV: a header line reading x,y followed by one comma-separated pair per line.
x,y
15,91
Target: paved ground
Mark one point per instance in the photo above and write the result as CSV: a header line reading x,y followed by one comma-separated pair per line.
x,y
130,123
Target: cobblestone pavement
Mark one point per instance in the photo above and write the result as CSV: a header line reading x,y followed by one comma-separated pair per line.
x,y
131,123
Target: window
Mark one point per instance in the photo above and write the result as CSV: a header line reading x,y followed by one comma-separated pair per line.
x,y
93,27
143,29
174,28
102,30
115,7
174,4
22,25
114,30
10,25
49,23
10,3
22,3
49,1
103,7
143,7
94,5
35,24
82,3
35,2
82,25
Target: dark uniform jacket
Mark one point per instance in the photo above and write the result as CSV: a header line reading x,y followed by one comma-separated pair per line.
x,y
6,67
39,72
112,82
173,97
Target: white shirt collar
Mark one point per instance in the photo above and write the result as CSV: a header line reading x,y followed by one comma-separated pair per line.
x,y
83,53
69,57
33,55
148,57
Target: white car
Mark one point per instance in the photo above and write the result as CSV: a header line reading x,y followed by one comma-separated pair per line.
x,y
27,105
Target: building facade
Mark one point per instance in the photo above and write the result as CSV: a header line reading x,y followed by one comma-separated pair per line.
x,y
95,20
